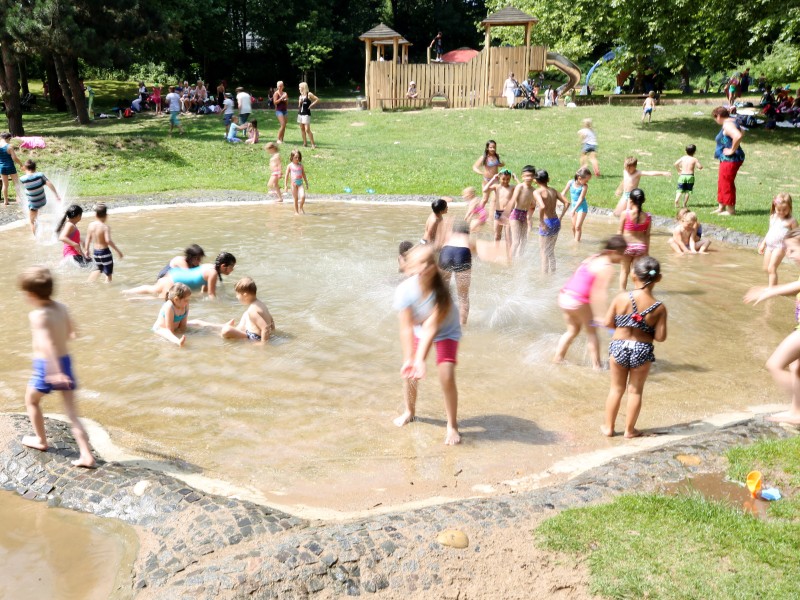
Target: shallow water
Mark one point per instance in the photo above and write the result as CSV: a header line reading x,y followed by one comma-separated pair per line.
x,y
307,420
715,487
58,553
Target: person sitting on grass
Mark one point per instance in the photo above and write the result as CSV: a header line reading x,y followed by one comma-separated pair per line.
x,y
233,129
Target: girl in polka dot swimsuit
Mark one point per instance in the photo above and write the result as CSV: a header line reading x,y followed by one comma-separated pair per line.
x,y
631,349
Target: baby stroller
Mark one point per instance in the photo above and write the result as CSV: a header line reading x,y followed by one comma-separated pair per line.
x,y
525,97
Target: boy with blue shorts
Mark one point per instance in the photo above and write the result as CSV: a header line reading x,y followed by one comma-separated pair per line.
x,y
51,328
34,184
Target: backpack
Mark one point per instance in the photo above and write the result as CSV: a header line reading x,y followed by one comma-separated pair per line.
x,y
127,113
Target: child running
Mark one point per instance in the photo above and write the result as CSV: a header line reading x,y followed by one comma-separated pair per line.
x,y
630,181
171,320
579,206
685,238
275,170
547,200
487,165
784,365
431,235
256,324
686,166
70,236
772,246
428,317
589,146
34,184
51,329
631,349
204,277
98,237
501,184
522,203
297,172
7,159
583,299
634,226
476,209
648,106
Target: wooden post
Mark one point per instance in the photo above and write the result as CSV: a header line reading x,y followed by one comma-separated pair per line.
x,y
368,45
395,56
484,94
527,51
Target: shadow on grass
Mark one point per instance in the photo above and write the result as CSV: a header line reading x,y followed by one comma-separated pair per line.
x,y
705,127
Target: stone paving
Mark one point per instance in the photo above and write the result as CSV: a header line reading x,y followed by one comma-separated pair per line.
x,y
200,546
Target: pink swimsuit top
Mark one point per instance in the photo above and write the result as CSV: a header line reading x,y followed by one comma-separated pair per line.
x,y
580,284
75,236
631,226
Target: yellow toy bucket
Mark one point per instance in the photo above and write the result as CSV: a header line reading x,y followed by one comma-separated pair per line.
x,y
754,483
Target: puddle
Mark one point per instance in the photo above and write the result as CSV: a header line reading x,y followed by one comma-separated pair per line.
x,y
714,486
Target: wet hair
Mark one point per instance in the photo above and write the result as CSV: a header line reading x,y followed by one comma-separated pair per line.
x,y
404,247
691,149
224,258
178,291
30,165
441,291
6,136
782,198
460,226
720,111
529,169
100,210
38,281
646,269
637,199
296,153
504,172
630,161
690,216
245,286
616,243
582,173
681,213
74,210
439,206
193,253
542,177
486,152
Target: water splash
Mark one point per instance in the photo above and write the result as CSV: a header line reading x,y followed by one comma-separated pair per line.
x,y
51,213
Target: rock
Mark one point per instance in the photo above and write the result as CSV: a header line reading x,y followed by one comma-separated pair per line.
x,y
140,487
688,460
453,538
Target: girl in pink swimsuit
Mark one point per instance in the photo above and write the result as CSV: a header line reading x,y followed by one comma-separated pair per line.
x,y
584,295
634,226
69,235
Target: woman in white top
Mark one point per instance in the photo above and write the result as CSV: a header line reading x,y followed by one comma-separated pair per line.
x,y
510,90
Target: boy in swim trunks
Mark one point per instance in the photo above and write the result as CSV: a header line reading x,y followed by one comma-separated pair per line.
x,y
256,324
648,106
503,191
439,208
630,181
51,328
99,236
547,200
521,204
686,166
34,183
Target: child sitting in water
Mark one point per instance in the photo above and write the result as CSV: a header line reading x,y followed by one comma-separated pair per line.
x,y
192,257
402,254
772,246
784,360
171,319
547,200
686,166
204,277
685,239
34,184
51,328
256,324
431,235
630,181
631,349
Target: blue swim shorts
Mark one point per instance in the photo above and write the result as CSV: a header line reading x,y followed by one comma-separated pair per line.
x,y
38,382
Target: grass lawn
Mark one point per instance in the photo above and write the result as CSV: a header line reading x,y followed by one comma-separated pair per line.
x,y
416,152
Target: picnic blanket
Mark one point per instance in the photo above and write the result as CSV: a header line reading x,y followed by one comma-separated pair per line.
x,y
32,142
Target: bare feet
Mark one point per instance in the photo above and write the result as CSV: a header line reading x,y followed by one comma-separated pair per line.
x,y
33,441
606,432
633,434
452,438
403,419
788,416
181,341
86,463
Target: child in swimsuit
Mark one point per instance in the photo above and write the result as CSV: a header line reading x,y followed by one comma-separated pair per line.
x,y
171,320
275,170
547,200
631,349
488,165
648,106
297,173
69,235
204,277
684,238
772,246
634,226
782,364
630,181
256,324
455,261
34,184
522,203
503,191
476,209
583,299
252,132
579,207
686,166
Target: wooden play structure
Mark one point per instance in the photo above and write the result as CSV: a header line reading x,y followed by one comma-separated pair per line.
x,y
478,82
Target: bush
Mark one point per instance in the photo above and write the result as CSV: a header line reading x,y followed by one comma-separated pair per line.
x,y
148,72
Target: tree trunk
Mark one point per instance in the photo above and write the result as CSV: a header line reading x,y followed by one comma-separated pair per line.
x,y
75,85
23,76
57,100
64,85
9,87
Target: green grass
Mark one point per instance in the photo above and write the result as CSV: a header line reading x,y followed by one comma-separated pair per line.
x,y
779,463
418,152
678,547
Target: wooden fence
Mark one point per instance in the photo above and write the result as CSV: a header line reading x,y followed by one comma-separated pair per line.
x,y
464,85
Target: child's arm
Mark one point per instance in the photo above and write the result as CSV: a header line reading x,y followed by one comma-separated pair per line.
x,y
305,179
608,322
53,189
64,238
286,178
678,239
110,243
43,340
757,294
89,242
211,284
407,342
478,166
582,197
598,296
647,233
14,155
698,165
490,184
563,201
678,164
514,195
429,329
661,325
566,188
656,173
181,326
692,244
621,227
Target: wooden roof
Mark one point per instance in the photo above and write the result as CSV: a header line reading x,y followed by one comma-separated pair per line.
x,y
509,16
381,32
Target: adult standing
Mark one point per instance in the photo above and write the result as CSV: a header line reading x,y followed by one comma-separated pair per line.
x,y
245,105
174,102
221,93
744,84
304,104
730,156
142,92
281,100
510,86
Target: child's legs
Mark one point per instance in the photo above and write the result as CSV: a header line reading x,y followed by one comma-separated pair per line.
x,y
678,195
295,197
543,252
619,379
32,215
523,238
498,230
447,377
168,335
674,245
463,280
775,260
579,225
33,397
410,389
231,332
595,164
272,184
624,270
515,230
574,221
702,247
622,204
787,352
635,386
575,319
551,253
584,159
301,195
81,437
5,188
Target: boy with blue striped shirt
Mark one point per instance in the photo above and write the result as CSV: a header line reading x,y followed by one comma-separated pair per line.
x,y
34,183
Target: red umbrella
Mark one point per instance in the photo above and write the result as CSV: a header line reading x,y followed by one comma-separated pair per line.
x,y
462,55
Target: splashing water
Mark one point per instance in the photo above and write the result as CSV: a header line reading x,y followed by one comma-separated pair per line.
x,y
51,213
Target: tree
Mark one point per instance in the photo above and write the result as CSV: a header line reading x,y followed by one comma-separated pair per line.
x,y
9,85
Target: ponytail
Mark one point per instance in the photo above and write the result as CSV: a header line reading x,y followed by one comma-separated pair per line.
x,y
223,258
73,211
